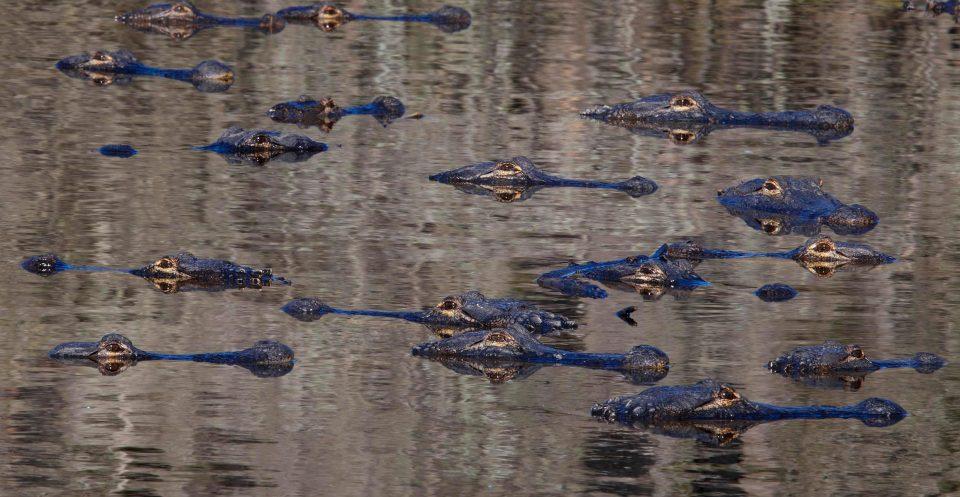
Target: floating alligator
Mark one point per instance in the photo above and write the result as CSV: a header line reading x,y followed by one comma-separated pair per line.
x,y
799,200
686,116
259,146
501,354
835,364
120,67
329,17
820,255
937,7
114,353
324,113
776,292
172,273
181,20
710,400
518,179
650,276
468,310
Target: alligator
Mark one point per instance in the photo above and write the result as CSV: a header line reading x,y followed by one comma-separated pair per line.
x,y
711,400
651,276
832,363
686,116
775,292
796,197
307,111
172,273
181,20
468,310
259,146
114,353
120,67
518,179
121,151
500,354
329,17
820,255
937,7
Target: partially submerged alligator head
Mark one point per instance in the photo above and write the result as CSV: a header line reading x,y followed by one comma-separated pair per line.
x,y
687,115
172,273
106,68
181,20
307,111
821,255
846,363
329,17
518,179
259,146
794,200
114,353
468,310
650,276
710,400
500,354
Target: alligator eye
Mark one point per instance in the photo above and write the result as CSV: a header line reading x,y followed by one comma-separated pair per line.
x,y
822,247
113,347
857,353
329,10
770,187
682,102
508,167
727,393
166,264
770,226
449,305
682,136
179,8
100,56
823,271
645,270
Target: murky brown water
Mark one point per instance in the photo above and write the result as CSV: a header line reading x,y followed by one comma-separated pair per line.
x,y
360,226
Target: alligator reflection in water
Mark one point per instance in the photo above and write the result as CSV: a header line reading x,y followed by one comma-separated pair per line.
x,y
687,116
506,353
181,20
259,146
329,17
792,204
835,365
173,273
114,353
518,179
715,413
456,312
120,67
651,276
324,113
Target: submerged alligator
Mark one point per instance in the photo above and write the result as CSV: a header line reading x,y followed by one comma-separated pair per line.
x,y
307,111
833,363
329,17
468,310
710,400
801,200
651,276
181,20
820,255
172,273
776,292
686,116
106,68
518,179
501,354
114,353
122,151
259,146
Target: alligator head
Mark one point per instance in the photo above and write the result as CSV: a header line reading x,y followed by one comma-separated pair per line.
x,y
307,111
787,200
184,271
712,400
835,357
44,264
687,115
504,349
823,256
103,68
181,20
260,146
